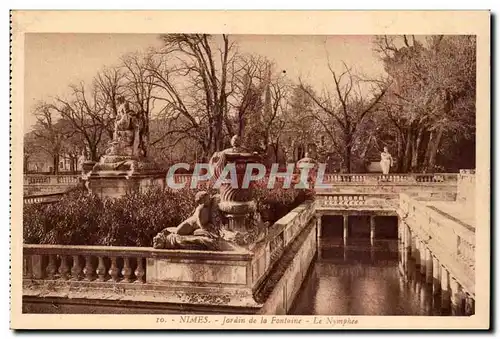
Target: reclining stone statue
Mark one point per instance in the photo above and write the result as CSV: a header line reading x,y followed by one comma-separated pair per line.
x,y
206,229
199,231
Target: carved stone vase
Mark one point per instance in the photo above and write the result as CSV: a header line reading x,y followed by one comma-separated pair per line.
x,y
236,203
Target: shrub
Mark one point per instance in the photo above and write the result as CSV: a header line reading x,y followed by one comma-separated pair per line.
x,y
133,220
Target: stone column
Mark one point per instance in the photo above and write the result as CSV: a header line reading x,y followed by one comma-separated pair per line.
x,y
469,305
372,227
457,299
423,262
406,246
436,276
346,226
415,251
318,226
318,235
445,289
429,267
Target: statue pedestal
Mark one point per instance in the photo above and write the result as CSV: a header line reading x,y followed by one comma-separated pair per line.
x,y
111,180
117,185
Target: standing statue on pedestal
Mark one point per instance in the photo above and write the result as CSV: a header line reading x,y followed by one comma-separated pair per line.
x,y
386,161
128,133
127,150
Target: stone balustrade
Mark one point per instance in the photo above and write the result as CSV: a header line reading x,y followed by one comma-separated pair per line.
x,y
355,201
370,178
264,279
367,178
451,242
41,184
42,179
84,263
42,198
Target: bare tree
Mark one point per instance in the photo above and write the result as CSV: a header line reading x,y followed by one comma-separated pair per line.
x,y
84,111
50,132
345,108
191,71
109,84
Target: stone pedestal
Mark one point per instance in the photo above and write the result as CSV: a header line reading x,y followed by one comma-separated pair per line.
x,y
116,185
236,201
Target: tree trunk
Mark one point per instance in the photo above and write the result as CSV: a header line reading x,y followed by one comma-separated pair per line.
x,y
347,159
415,151
434,146
25,164
72,162
93,153
400,155
407,154
55,164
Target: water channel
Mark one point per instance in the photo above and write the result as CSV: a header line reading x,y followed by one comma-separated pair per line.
x,y
363,277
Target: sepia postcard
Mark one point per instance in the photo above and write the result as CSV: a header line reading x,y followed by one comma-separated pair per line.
x,y
250,170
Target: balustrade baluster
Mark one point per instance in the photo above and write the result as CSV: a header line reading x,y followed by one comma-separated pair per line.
x,y
76,270
64,268
101,269
126,271
113,270
139,271
51,267
89,269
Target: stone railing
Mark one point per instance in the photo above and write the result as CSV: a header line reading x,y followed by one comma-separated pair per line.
x,y
451,241
42,198
84,263
41,179
366,178
410,178
334,200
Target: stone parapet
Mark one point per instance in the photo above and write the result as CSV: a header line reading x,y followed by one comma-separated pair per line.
x,y
449,240
185,279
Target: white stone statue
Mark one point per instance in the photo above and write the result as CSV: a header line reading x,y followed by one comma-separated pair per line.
x,y
386,161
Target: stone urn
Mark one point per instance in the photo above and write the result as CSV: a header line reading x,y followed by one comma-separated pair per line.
x,y
307,169
235,202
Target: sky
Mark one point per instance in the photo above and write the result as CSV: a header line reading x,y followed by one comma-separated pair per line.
x,y
53,61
